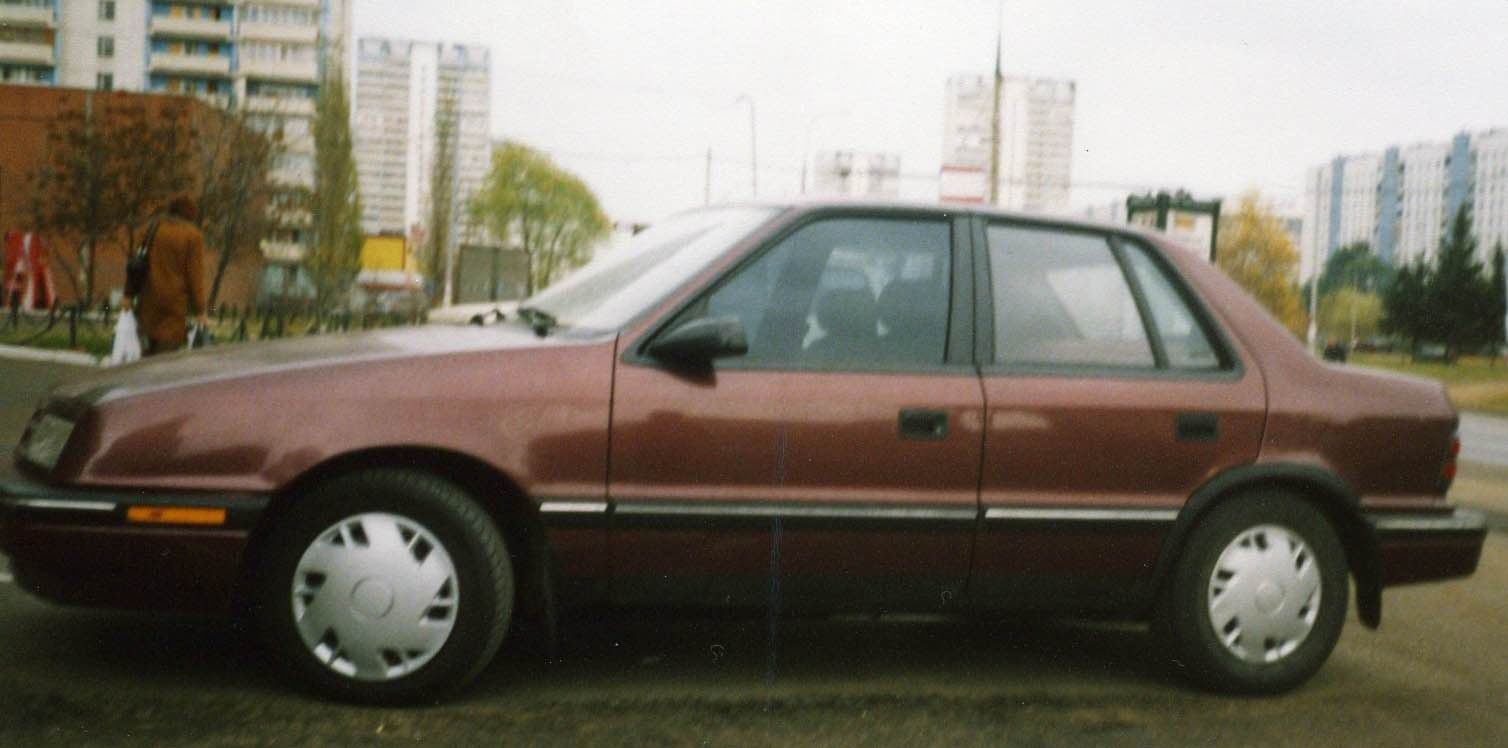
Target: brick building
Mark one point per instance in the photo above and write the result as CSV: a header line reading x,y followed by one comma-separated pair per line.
x,y
26,114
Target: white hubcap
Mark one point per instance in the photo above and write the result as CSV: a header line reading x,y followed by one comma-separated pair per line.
x,y
1264,594
375,596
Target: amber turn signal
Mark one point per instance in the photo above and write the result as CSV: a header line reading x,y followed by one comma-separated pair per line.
x,y
175,515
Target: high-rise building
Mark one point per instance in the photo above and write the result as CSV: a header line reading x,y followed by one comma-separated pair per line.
x,y
1401,200
1036,141
267,56
401,87
846,173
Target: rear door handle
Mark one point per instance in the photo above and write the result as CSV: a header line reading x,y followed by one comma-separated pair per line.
x,y
920,423
1198,427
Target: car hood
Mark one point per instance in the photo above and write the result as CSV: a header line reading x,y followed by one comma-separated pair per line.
x,y
256,359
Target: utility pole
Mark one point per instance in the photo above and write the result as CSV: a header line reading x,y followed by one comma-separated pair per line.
x,y
995,110
1314,273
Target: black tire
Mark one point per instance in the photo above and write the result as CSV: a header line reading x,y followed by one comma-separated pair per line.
x,y
1285,660
469,540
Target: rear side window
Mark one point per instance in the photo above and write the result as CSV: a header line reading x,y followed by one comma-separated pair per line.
x,y
1061,299
1183,339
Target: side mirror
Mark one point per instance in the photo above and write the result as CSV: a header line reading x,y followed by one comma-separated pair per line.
x,y
698,342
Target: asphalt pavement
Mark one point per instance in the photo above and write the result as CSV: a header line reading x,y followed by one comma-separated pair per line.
x,y
1434,674
1484,439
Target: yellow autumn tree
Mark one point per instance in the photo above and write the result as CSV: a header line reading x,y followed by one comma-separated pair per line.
x,y
1349,314
1255,252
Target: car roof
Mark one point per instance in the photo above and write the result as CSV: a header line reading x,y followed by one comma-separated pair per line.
x,y
820,204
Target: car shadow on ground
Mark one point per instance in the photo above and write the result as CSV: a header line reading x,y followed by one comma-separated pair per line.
x,y
671,654
638,654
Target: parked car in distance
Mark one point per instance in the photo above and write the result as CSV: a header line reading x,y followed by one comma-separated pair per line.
x,y
914,408
1431,353
1378,344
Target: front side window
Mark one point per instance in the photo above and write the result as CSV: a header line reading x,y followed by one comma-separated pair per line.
x,y
1061,299
843,293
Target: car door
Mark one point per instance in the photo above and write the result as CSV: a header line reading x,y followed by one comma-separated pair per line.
x,y
836,462
1111,396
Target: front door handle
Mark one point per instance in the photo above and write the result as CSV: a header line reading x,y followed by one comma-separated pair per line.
x,y
1198,427
920,423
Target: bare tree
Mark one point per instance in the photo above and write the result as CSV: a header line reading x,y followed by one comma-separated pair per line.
x,y
109,163
157,155
236,197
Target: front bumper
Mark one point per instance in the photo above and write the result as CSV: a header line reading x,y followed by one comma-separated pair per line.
x,y
126,548
1427,547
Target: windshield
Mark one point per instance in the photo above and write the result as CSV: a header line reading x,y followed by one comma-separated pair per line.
x,y
620,283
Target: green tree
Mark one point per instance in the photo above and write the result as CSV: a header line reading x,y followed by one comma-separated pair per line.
x,y
1255,251
1355,266
442,195
1405,307
1457,293
546,212
335,204
1497,322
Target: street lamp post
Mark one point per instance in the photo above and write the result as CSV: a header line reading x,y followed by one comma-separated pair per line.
x,y
753,152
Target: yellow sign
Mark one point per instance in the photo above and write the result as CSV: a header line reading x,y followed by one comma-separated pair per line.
x,y
387,253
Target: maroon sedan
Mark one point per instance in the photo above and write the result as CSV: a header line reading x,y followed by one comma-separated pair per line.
x,y
812,407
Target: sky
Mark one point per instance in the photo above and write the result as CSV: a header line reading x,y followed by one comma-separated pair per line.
x,y
1216,97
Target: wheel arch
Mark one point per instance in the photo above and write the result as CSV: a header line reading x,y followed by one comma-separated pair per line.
x,y
515,516
1322,488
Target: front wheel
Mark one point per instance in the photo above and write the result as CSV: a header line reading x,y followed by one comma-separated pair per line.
x,y
386,586
1258,599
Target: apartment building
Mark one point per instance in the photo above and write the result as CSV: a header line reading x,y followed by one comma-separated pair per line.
x,y
401,85
1036,141
267,56
1402,199
853,174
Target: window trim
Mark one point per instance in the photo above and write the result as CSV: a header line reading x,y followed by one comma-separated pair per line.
x,y
1231,368
1143,308
1202,316
960,255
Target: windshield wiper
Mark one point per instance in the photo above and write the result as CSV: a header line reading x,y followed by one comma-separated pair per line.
x,y
539,320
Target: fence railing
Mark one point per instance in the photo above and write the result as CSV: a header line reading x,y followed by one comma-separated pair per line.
x,y
77,327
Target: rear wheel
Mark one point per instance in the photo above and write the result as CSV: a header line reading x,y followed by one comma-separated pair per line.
x,y
385,586
1259,597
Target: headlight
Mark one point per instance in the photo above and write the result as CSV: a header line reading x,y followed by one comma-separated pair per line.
x,y
43,442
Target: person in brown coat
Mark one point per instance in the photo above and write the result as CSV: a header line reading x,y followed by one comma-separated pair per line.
x,y
175,280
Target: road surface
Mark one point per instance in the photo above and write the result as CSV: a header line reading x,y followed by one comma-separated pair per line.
x,y
1484,439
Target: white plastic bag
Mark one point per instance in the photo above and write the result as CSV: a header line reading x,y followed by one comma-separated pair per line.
x,y
127,345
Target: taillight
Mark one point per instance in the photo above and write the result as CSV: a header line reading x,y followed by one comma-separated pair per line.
x,y
1448,470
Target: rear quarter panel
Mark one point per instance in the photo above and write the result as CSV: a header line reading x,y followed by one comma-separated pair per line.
x,y
1385,435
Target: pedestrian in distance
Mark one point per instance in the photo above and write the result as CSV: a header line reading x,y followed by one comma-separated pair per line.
x,y
175,279
16,287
